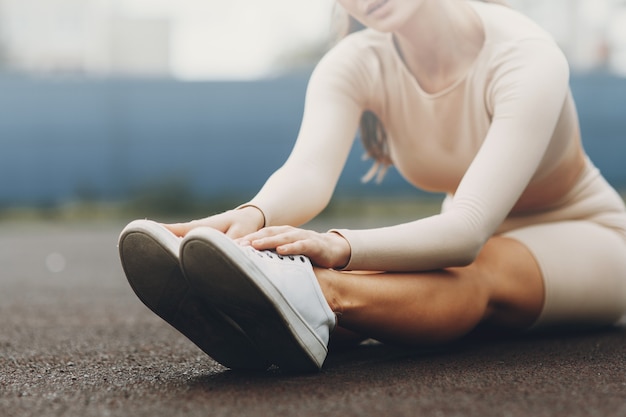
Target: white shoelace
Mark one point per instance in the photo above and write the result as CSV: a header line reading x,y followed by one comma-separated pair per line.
x,y
273,255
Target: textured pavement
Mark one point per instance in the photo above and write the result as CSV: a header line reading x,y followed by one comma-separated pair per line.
x,y
75,341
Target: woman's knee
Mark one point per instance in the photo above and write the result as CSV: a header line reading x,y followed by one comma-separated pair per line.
x,y
514,283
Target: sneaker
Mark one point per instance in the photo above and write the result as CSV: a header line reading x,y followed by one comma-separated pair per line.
x,y
275,299
149,255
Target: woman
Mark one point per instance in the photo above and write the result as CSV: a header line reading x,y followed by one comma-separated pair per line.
x,y
462,97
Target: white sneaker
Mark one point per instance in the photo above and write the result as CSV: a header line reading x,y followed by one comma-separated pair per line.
x,y
276,300
149,256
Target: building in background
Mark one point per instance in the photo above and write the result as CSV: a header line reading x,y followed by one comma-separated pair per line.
x,y
185,39
591,32
82,37
203,39
616,38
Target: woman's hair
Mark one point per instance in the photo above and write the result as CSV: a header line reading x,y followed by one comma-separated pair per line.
x,y
372,132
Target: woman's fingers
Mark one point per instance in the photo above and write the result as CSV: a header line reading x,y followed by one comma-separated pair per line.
x,y
272,237
180,229
234,223
328,250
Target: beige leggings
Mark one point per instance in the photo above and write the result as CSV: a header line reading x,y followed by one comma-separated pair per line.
x,y
580,246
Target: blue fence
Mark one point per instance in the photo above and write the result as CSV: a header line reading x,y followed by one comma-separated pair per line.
x,y
65,139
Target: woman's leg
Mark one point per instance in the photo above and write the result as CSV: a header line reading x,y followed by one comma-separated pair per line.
x,y
503,287
584,272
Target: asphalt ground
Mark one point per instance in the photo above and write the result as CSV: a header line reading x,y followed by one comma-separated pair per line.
x,y
75,341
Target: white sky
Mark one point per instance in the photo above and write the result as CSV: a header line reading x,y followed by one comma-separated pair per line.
x,y
234,38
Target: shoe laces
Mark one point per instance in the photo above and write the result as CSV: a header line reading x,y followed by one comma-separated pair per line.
x,y
273,255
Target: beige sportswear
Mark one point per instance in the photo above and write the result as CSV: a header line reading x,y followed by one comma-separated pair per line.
x,y
484,140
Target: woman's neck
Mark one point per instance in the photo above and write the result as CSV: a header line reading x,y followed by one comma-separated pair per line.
x,y
440,42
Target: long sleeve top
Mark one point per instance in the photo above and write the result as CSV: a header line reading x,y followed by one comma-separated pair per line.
x,y
503,126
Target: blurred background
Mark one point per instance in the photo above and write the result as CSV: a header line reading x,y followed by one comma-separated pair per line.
x,y
175,108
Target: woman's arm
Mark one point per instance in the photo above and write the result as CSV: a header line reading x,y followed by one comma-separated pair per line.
x,y
528,93
303,186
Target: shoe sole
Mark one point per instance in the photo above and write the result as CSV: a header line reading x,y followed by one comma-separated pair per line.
x,y
153,272
224,276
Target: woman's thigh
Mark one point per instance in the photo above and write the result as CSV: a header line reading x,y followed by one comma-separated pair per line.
x,y
583,266
502,288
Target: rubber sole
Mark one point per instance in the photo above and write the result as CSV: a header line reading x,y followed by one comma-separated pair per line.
x,y
155,276
225,276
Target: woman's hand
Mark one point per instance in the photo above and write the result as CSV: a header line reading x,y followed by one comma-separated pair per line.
x,y
234,223
327,250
